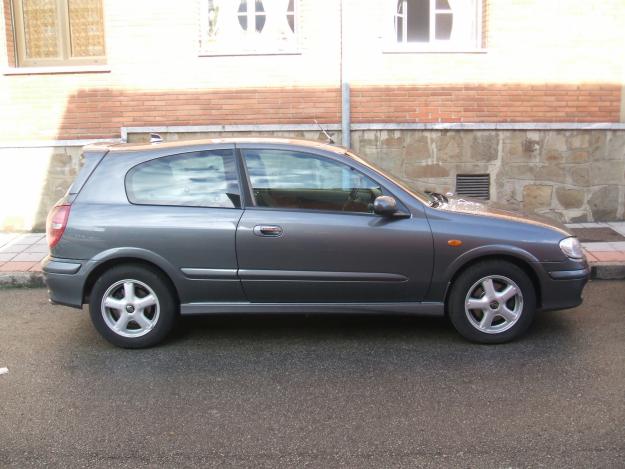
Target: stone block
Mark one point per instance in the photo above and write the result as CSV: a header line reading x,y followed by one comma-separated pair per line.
x,y
473,168
577,157
484,147
417,150
578,139
615,146
607,172
416,171
553,156
60,164
570,198
536,196
449,146
598,145
603,203
391,139
520,171
555,141
518,146
578,176
550,173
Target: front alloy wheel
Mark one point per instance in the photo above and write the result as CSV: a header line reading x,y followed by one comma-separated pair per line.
x,y
492,302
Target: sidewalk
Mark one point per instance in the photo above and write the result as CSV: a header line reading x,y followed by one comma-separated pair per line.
x,y
604,245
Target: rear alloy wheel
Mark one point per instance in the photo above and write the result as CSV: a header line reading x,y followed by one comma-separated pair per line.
x,y
492,302
132,306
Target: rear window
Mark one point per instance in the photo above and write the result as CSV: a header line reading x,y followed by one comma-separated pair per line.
x,y
197,179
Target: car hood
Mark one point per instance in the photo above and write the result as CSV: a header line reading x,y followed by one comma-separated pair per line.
x,y
494,210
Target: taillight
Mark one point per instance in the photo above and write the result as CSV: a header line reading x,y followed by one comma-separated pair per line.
x,y
56,223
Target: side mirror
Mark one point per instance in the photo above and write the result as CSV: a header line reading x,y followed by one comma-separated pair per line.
x,y
385,205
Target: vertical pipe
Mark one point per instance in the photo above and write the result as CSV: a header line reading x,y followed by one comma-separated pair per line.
x,y
345,101
345,114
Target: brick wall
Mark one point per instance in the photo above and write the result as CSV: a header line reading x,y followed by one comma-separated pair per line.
x,y
487,103
100,113
545,62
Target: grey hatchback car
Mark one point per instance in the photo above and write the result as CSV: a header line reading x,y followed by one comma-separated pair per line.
x,y
148,232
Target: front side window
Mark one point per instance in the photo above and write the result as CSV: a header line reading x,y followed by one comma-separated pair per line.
x,y
445,23
247,26
197,179
288,179
59,32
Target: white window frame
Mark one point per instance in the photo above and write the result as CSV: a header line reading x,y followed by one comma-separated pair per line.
x,y
433,45
250,46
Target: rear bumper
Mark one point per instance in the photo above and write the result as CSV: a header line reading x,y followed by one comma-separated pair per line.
x,y
65,279
562,289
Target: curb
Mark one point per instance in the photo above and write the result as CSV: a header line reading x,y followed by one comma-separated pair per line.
x,y
21,280
607,271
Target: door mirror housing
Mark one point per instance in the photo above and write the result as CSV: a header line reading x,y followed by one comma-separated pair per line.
x,y
385,206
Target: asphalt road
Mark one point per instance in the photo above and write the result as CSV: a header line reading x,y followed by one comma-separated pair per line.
x,y
313,391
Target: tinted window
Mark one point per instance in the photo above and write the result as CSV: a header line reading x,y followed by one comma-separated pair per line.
x,y
198,179
288,179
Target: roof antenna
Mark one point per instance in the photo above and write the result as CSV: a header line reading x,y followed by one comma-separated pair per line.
x,y
330,139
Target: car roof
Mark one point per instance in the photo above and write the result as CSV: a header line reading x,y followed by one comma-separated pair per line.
x,y
199,143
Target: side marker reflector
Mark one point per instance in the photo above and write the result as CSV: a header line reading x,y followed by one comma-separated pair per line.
x,y
454,242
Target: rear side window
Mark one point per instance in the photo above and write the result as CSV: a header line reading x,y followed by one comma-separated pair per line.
x,y
89,162
197,179
288,179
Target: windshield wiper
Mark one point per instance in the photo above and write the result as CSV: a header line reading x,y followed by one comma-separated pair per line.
x,y
437,197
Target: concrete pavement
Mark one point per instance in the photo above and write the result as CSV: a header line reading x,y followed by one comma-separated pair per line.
x,y
296,391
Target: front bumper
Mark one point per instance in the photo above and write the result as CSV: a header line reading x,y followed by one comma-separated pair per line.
x,y
65,279
562,285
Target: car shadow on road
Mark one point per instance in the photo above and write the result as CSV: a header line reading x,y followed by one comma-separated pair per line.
x,y
341,327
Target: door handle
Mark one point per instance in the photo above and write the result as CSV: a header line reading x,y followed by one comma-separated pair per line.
x,y
271,231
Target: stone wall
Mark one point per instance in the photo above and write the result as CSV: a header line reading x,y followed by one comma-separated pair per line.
x,y
571,176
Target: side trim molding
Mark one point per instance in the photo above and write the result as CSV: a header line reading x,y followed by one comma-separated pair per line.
x,y
213,274
416,308
307,275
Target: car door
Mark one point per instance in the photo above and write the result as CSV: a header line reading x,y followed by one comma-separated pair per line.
x,y
311,234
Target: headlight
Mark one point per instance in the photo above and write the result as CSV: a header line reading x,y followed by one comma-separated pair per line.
x,y
572,248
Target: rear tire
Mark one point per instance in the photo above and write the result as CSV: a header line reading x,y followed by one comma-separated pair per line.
x,y
133,306
492,302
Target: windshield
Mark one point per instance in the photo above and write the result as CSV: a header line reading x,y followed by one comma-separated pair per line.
x,y
419,195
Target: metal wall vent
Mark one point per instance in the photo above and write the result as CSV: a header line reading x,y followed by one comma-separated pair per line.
x,y
473,185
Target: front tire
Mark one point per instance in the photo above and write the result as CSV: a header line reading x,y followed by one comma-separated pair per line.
x,y
492,302
132,306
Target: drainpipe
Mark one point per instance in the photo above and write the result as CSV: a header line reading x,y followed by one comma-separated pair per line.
x,y
345,101
345,114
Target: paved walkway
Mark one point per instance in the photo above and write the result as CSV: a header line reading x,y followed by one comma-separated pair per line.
x,y
24,252
604,251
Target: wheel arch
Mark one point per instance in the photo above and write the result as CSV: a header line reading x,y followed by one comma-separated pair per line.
x,y
520,261
111,262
